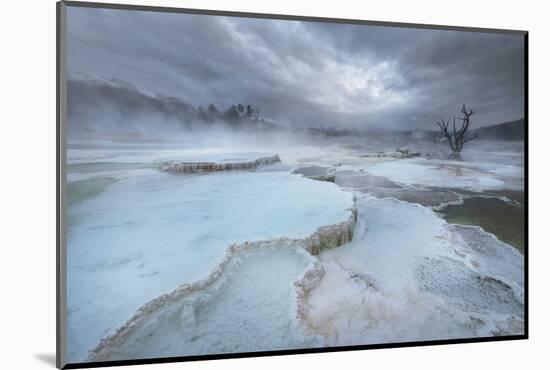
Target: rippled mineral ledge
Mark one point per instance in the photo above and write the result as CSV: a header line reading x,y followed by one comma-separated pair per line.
x,y
143,248
138,335
191,167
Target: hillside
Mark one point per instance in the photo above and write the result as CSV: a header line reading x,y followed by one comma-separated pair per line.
x,y
95,103
514,130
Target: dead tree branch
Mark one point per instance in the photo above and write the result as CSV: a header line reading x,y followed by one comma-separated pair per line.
x,y
457,138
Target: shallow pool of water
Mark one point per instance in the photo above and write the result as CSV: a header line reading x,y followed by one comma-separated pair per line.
x,y
504,220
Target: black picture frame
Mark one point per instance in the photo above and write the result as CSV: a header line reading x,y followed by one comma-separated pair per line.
x,y
61,187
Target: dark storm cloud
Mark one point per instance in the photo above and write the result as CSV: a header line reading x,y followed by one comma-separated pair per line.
x,y
304,72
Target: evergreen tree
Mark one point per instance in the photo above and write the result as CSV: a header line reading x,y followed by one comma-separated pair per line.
x,y
213,113
232,114
249,111
201,114
240,109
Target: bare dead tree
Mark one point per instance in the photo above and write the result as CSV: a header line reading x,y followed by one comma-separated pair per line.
x,y
457,138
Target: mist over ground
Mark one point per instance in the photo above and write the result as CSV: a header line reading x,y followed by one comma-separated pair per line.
x,y
115,110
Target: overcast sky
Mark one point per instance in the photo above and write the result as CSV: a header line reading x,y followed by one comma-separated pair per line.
x,y
308,72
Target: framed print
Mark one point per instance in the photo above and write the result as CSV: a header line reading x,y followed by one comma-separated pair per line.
x,y
235,184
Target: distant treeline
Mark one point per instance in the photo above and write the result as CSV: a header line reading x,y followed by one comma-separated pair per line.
x,y
379,133
235,115
92,103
